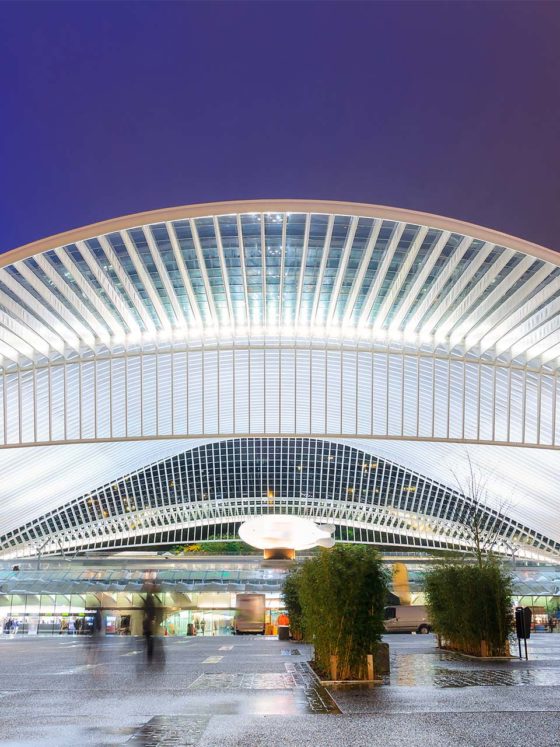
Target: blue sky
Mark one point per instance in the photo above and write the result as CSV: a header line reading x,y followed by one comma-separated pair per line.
x,y
109,108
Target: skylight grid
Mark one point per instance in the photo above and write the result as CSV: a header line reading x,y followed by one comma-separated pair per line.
x,y
305,476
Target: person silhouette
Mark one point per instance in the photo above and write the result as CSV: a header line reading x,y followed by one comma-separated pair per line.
x,y
148,625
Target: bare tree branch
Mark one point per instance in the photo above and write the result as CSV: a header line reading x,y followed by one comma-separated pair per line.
x,y
481,521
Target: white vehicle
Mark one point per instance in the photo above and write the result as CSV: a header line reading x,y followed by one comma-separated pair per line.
x,y
411,618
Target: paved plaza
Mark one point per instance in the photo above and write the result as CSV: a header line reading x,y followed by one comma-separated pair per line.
x,y
245,691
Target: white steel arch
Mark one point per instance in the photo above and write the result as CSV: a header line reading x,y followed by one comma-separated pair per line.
x,y
281,318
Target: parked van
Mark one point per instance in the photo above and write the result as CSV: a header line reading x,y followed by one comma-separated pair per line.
x,y
411,618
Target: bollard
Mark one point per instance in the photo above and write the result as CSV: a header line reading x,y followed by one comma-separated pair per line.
x,y
370,667
334,666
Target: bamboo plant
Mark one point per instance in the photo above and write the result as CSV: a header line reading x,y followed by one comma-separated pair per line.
x,y
338,598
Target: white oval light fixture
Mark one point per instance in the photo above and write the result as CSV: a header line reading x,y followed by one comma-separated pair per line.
x,y
275,533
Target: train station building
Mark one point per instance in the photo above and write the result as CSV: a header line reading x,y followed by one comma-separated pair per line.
x,y
169,375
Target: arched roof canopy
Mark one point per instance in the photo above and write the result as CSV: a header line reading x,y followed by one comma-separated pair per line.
x,y
234,207
286,317
281,318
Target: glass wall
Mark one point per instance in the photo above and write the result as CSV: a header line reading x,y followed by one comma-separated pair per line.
x,y
207,614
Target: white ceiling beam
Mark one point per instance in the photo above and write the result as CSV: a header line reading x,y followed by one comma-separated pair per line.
x,y
14,327
46,338
27,336
552,354
524,319
21,346
263,272
127,284
398,282
430,326
438,285
479,322
322,266
8,353
303,263
164,275
534,329
341,271
41,311
380,274
282,268
69,317
89,319
204,272
545,348
537,342
419,282
459,310
95,299
185,277
223,267
362,269
146,280
105,283
241,245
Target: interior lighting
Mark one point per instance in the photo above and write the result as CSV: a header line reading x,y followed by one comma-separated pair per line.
x,y
278,532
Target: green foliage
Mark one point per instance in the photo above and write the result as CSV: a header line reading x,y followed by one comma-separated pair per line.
x,y
290,594
339,596
469,604
226,547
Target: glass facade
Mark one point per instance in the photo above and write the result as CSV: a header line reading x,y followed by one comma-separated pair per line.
x,y
206,493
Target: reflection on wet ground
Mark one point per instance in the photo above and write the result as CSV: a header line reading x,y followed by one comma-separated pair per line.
x,y
418,666
170,731
423,671
307,695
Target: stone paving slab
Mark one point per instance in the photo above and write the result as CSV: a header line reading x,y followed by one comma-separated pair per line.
x,y
262,692
244,681
167,731
311,696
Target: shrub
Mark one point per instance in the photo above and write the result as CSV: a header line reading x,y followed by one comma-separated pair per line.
x,y
469,605
341,594
223,547
290,593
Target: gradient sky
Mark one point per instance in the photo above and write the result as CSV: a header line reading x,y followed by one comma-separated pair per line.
x,y
112,108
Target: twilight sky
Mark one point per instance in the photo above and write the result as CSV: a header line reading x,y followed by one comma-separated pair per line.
x,y
112,108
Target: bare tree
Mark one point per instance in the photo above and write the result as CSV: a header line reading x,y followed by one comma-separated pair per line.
x,y
482,523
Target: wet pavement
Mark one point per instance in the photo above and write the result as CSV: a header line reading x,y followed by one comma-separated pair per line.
x,y
415,664
251,691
